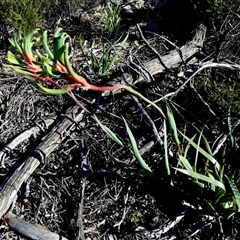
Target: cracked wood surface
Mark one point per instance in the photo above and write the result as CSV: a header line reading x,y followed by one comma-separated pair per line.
x,y
10,187
176,57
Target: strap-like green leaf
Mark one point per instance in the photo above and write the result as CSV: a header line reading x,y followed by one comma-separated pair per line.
x,y
137,154
235,191
53,91
110,133
28,43
185,163
167,166
172,124
46,47
202,177
203,152
14,59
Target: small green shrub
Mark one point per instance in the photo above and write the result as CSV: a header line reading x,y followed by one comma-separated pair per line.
x,y
24,15
215,11
109,19
136,217
224,92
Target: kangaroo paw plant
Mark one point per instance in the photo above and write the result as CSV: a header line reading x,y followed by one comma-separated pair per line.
x,y
48,64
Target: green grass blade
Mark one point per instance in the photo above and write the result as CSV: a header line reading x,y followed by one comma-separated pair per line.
x,y
230,128
137,154
204,140
53,91
213,187
167,166
221,192
196,156
110,133
108,62
235,191
202,177
207,145
172,125
95,62
188,147
203,152
186,163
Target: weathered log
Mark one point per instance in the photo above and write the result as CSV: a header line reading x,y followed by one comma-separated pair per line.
x,y
176,57
32,231
22,137
10,187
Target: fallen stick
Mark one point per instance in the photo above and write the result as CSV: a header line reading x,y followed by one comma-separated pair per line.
x,y
32,231
10,187
174,57
22,137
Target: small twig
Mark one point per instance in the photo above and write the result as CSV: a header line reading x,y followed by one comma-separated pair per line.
x,y
235,67
8,78
231,66
170,224
202,100
85,169
211,220
158,55
230,9
140,70
125,210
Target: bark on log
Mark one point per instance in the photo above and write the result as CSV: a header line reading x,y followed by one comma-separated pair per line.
x,y
10,187
35,232
174,57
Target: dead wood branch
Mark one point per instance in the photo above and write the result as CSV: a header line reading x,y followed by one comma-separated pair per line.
x,y
30,230
9,188
176,57
22,137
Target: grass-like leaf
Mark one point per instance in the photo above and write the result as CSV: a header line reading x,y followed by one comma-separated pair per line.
x,y
203,152
167,166
172,124
136,152
202,177
207,145
235,191
219,194
110,61
53,91
110,133
230,128
186,163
